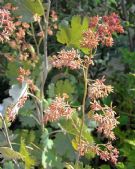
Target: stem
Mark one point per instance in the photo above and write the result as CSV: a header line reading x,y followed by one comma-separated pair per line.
x,y
85,71
45,62
34,37
7,138
6,133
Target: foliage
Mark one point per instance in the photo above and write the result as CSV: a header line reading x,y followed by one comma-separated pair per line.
x,y
49,116
71,35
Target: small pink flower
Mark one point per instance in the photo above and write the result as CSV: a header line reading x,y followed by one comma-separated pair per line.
x,y
100,31
90,39
12,110
95,106
94,21
7,26
65,58
58,108
98,89
104,155
107,152
83,148
106,122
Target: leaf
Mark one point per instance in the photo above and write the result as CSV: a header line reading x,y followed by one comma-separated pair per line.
x,y
53,160
9,165
98,2
29,161
27,8
71,35
28,109
45,141
63,34
27,121
47,144
64,86
16,92
8,153
131,142
73,127
104,167
12,71
120,165
50,90
63,146
112,2
79,166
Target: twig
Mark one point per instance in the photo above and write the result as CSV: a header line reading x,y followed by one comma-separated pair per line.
x,y
84,100
34,37
125,14
7,138
45,60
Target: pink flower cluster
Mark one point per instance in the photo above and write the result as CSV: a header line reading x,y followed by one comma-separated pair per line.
x,y
106,121
58,108
108,153
83,147
99,89
101,30
7,26
105,118
90,39
105,151
65,58
13,109
24,76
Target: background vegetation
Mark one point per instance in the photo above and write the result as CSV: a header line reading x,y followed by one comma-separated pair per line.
x,y
117,63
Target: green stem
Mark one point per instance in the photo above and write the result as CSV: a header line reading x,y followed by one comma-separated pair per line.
x,y
34,37
85,71
45,62
8,139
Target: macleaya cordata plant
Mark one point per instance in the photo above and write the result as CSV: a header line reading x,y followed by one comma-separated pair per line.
x,y
100,32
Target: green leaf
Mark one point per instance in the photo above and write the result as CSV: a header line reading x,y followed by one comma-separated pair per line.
x,y
45,141
71,35
27,8
120,165
9,165
12,71
27,121
97,2
63,146
104,167
131,142
16,92
29,161
64,86
63,35
73,127
8,153
50,90
112,2
79,166
53,160
47,144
